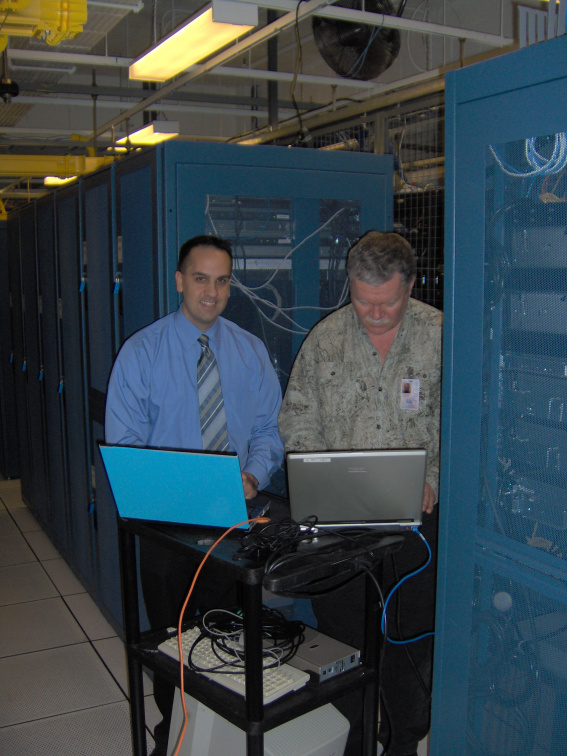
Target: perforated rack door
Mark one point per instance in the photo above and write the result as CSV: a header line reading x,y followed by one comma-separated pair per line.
x,y
500,682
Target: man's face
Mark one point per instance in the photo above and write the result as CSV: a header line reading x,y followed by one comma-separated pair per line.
x,y
205,285
380,308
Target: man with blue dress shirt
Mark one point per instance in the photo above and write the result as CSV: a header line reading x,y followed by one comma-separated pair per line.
x,y
153,400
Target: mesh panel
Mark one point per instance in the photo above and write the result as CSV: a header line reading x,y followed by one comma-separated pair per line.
x,y
517,682
358,137
415,136
416,139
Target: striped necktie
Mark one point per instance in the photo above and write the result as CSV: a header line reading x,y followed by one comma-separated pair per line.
x,y
211,404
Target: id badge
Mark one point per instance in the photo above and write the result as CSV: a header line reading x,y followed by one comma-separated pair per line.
x,y
409,394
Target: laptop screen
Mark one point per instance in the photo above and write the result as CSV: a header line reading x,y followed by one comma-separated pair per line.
x,y
189,488
380,489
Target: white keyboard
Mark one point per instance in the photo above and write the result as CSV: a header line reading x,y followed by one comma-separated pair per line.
x,y
277,680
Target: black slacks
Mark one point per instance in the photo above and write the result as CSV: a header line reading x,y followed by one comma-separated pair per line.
x,y
407,669
166,578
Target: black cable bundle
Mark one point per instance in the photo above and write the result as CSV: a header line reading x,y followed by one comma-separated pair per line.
x,y
259,544
224,630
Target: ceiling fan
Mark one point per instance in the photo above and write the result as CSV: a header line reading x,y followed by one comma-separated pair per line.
x,y
355,50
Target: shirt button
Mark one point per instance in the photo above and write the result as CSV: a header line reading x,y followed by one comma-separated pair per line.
x,y
378,426
379,388
332,372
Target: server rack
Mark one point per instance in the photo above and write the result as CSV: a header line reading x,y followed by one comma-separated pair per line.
x,y
500,679
9,455
17,314
49,378
73,382
31,372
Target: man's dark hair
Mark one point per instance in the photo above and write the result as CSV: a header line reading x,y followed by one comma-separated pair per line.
x,y
205,240
377,256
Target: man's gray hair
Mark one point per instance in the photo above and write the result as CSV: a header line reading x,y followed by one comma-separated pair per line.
x,y
377,256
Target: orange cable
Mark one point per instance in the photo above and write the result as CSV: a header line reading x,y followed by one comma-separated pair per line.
x,y
179,646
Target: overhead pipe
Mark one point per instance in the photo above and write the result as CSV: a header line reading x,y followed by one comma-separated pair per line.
x,y
272,83
80,59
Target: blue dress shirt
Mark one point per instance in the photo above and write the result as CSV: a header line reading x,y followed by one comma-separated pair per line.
x,y
152,395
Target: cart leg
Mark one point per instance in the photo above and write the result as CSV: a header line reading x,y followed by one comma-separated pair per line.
x,y
130,608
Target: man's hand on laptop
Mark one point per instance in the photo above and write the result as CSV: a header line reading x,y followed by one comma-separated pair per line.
x,y
429,499
250,484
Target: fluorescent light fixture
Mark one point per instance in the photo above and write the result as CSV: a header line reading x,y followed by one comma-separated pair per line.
x,y
154,132
213,27
252,140
56,181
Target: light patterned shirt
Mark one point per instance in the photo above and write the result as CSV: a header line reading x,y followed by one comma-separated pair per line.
x,y
342,396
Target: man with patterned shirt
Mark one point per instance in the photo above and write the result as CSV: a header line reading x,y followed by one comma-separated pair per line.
x,y
369,377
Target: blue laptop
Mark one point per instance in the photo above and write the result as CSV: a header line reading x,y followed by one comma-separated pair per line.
x,y
182,487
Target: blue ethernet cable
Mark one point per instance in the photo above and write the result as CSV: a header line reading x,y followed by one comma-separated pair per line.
x,y
395,588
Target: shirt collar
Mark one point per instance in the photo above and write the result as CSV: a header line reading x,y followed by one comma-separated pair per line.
x,y
189,332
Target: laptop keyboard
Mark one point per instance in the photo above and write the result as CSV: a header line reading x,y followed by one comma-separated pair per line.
x,y
278,681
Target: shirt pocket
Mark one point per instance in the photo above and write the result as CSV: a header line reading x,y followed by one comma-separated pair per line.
x,y
339,381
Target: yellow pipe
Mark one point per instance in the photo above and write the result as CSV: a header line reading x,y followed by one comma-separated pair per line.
x,y
13,6
39,166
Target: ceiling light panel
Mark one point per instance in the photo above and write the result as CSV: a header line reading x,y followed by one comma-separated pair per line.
x,y
212,28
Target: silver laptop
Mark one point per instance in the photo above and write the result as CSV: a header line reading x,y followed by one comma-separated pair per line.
x,y
182,487
380,489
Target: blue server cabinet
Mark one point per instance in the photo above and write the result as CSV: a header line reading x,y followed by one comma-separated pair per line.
x,y
500,679
137,261
32,363
19,350
98,235
291,216
50,375
121,259
73,386
9,456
